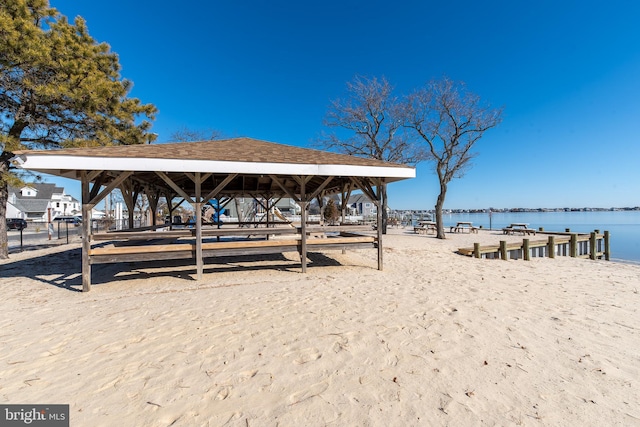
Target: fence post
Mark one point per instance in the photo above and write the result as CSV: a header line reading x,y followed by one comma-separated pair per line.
x,y
607,246
476,250
592,245
552,247
573,245
525,249
503,249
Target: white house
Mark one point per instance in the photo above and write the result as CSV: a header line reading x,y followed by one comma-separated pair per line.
x,y
359,204
34,201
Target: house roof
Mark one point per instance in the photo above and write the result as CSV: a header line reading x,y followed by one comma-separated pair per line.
x,y
253,160
37,204
44,191
358,198
32,206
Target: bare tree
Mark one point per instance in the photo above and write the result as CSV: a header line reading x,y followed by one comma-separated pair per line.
x,y
372,117
450,120
189,135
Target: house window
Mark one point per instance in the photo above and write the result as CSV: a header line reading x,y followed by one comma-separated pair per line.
x,y
367,205
57,204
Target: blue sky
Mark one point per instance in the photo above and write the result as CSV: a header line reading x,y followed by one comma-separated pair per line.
x,y
566,73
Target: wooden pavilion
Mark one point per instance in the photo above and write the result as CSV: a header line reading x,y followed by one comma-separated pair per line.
x,y
201,171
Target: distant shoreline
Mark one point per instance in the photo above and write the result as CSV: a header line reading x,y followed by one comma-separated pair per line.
x,y
521,210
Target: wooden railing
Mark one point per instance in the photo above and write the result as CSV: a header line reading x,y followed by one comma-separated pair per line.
x,y
592,246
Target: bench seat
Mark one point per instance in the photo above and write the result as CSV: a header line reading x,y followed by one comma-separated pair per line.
x,y
109,254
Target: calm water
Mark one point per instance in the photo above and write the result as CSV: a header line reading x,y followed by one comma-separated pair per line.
x,y
624,226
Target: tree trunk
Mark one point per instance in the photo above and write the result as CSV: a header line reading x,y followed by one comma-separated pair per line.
x,y
439,205
4,197
14,133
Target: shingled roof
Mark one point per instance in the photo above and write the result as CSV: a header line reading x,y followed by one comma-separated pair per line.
x,y
230,150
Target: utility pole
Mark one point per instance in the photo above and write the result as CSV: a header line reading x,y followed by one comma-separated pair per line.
x,y
49,225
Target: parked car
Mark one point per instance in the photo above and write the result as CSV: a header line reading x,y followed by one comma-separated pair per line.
x,y
16,224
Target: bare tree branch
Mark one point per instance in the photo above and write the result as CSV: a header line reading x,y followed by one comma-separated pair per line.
x,y
450,120
373,120
186,134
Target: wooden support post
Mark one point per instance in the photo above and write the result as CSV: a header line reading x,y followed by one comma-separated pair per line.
x,y
525,250
551,247
198,208
607,246
380,217
573,245
303,235
170,209
267,213
592,245
476,250
153,196
567,230
86,233
503,250
130,192
303,223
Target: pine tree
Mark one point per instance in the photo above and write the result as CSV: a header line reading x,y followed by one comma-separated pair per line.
x,y
59,88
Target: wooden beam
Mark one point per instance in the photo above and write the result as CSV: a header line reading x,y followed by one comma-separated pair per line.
x,y
191,176
108,189
174,186
93,175
220,187
366,187
285,189
99,179
143,249
321,187
180,247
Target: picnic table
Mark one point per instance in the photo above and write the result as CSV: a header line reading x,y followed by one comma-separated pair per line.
x,y
425,227
461,226
518,227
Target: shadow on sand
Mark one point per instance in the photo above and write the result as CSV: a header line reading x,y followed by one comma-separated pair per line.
x,y
63,269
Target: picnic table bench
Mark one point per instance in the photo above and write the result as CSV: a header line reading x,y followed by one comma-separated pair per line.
x,y
519,227
425,227
463,225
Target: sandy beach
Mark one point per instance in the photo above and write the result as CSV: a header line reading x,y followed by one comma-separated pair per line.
x,y
435,339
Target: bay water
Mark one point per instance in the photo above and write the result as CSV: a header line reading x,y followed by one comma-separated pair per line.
x,y
624,226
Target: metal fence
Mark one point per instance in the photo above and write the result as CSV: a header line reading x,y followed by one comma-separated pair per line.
x,y
40,234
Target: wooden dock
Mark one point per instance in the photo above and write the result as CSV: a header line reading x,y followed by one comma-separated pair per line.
x,y
591,246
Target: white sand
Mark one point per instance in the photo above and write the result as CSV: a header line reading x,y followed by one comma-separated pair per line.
x,y
435,339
